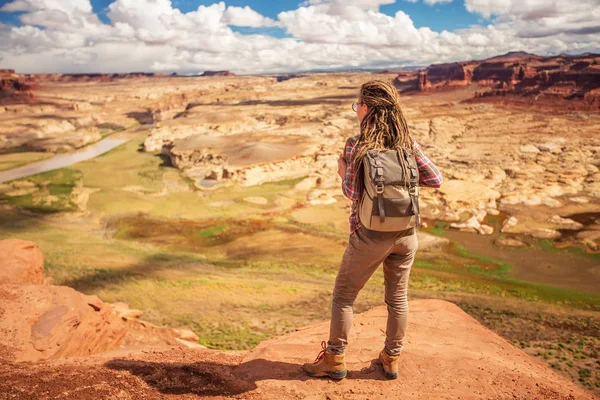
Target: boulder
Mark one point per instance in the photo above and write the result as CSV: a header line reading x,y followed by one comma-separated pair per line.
x,y
317,197
186,334
529,148
508,223
470,225
565,223
590,239
509,242
21,262
579,199
554,148
543,233
306,184
485,229
122,310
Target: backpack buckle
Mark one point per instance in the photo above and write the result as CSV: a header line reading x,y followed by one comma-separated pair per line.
x,y
379,189
412,190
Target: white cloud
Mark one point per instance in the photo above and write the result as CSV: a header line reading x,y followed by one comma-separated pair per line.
x,y
541,18
351,26
141,14
245,16
362,4
153,35
67,6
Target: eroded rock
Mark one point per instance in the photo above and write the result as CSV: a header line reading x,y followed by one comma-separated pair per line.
x,y
21,262
544,233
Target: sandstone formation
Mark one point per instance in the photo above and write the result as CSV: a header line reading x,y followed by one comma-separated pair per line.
x,y
96,77
546,79
41,321
247,160
14,87
446,76
471,363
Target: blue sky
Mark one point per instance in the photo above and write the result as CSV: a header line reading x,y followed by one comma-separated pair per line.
x,y
146,35
448,16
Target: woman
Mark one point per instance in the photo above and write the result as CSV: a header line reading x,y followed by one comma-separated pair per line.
x,y
382,126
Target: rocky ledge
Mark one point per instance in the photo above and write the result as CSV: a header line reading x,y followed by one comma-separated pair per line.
x,y
41,321
470,363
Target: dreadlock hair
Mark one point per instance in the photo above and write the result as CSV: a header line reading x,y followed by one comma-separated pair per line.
x,y
383,127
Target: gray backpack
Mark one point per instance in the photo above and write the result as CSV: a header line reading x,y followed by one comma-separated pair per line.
x,y
390,196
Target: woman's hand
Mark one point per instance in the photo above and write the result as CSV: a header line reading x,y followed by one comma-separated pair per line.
x,y
342,167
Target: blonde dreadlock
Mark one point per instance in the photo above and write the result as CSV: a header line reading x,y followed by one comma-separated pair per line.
x,y
384,126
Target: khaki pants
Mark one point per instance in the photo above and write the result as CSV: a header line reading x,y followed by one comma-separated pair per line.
x,y
366,250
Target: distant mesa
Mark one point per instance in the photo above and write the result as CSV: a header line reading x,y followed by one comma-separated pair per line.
x,y
15,88
512,55
283,78
217,73
547,79
97,77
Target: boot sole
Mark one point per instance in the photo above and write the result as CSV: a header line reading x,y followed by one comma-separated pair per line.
x,y
388,375
332,375
393,375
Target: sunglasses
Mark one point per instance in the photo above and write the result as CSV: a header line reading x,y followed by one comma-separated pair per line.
x,y
355,106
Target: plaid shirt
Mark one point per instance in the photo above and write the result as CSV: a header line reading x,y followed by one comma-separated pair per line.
x,y
429,175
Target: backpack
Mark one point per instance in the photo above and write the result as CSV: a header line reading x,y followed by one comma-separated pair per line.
x,y
390,196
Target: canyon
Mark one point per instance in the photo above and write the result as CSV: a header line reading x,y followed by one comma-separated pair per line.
x,y
206,236
571,81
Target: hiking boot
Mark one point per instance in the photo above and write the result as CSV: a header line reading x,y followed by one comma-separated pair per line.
x,y
327,364
390,364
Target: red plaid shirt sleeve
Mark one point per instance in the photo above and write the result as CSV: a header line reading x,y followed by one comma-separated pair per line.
x,y
348,183
429,174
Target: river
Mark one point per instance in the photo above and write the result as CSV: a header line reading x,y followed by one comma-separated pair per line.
x,y
62,160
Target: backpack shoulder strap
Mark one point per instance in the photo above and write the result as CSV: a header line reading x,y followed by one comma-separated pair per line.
x,y
413,183
379,180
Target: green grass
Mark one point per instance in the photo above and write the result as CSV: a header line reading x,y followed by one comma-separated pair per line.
x,y
58,183
224,336
438,229
211,232
489,277
494,267
548,245
289,182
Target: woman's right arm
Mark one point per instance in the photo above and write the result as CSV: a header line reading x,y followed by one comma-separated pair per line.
x,y
348,181
429,174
